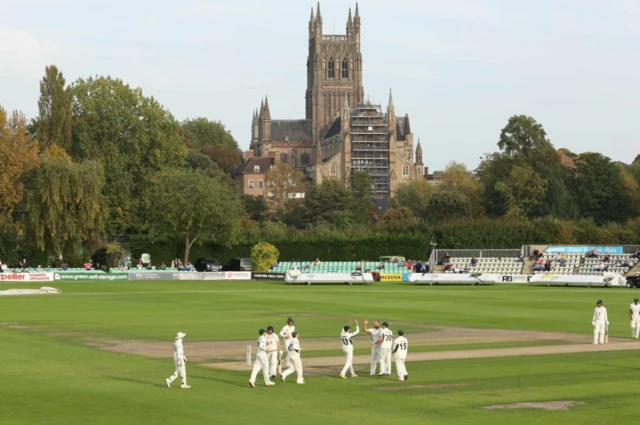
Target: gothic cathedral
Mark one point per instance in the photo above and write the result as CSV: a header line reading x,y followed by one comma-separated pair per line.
x,y
342,132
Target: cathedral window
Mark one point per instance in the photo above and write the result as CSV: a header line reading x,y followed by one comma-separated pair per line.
x,y
304,159
405,170
333,169
332,69
345,68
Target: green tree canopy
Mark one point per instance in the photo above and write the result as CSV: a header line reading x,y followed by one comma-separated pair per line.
x,y
189,204
282,181
447,205
523,135
522,192
226,158
132,135
54,123
331,202
200,132
415,195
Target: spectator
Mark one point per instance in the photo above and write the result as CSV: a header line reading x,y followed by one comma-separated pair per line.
x,y
563,262
535,254
600,267
626,263
139,266
307,267
447,258
189,266
65,266
48,269
173,264
409,264
474,262
418,267
359,267
427,268
607,257
618,263
457,270
381,266
149,267
39,269
394,260
87,266
97,266
447,267
521,258
539,261
637,254
162,266
276,265
318,262
538,266
593,253
547,266
3,267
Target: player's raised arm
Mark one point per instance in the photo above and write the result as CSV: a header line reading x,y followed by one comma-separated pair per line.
x,y
366,322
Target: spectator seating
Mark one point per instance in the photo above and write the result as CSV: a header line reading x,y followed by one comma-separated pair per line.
x,y
496,265
578,264
571,262
342,267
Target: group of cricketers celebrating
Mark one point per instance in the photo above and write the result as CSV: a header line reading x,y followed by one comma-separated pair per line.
x,y
270,352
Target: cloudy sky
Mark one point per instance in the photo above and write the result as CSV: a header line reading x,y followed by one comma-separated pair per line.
x,y
459,68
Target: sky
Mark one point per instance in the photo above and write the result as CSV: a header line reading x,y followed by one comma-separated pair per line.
x,y
459,68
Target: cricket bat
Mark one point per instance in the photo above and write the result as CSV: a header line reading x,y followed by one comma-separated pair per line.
x,y
606,335
280,364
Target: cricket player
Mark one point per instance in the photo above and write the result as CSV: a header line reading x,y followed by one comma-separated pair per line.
x,y
400,348
180,361
285,333
375,344
273,347
386,342
600,323
347,348
634,314
293,355
262,362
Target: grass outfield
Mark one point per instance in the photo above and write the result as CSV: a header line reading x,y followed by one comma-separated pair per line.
x,y
52,375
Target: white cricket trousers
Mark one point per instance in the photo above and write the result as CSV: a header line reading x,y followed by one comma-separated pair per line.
x,y
295,366
635,327
401,369
375,357
181,371
385,360
348,365
272,360
261,364
598,332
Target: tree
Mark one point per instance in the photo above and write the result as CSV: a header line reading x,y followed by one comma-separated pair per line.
x,y
133,136
65,204
522,192
198,161
362,187
54,123
189,204
447,205
263,255
598,189
458,179
398,219
200,132
255,207
522,136
415,195
282,182
332,202
18,156
226,158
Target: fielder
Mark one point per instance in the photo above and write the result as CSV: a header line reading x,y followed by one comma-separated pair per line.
x,y
180,360
400,348
293,356
347,348
386,342
262,363
600,323
634,314
375,344
285,333
273,348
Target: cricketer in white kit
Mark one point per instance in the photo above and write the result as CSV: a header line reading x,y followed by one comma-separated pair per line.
x,y
400,348
285,333
634,315
180,361
600,323
273,348
385,350
346,337
375,344
293,355
261,361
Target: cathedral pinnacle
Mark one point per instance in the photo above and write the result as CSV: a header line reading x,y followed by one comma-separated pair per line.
x,y
391,110
266,114
318,15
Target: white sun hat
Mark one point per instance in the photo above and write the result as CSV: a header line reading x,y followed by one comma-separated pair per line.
x,y
180,335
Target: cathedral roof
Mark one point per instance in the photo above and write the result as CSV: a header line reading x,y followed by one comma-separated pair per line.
x,y
334,128
295,130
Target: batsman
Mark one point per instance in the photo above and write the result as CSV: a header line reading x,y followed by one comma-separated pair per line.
x,y
634,315
600,323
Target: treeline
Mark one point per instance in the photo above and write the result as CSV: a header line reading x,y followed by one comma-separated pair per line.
x,y
102,162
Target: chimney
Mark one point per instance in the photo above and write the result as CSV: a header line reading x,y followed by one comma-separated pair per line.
x,y
248,154
426,171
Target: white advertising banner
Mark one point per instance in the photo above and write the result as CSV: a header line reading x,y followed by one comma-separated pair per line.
x,y
227,276
470,278
344,278
608,279
26,277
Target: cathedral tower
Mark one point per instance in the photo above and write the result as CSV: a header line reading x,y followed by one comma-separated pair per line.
x,y
334,69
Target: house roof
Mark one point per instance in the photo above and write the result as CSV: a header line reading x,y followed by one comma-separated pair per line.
x,y
295,130
248,167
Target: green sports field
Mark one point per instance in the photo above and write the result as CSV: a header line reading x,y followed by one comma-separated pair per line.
x,y
95,355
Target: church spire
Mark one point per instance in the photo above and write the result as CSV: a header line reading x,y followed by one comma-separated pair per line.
x,y
261,108
419,154
266,114
312,24
349,23
391,110
356,20
318,15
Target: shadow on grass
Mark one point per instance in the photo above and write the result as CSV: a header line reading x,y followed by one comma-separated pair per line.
x,y
136,381
242,383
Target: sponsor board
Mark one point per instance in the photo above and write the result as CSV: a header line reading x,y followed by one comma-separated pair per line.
x,y
237,275
153,276
91,276
515,278
26,277
391,277
214,276
189,276
583,249
340,278
268,276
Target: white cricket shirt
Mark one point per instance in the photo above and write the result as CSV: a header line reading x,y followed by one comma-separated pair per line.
x,y
387,338
400,347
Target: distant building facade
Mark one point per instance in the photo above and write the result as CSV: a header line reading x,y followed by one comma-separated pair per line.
x,y
341,133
